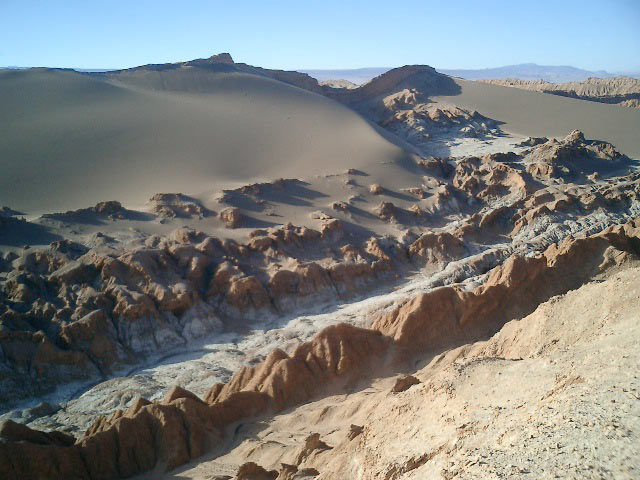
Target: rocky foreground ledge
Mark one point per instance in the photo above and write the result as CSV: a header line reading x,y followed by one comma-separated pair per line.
x,y
163,435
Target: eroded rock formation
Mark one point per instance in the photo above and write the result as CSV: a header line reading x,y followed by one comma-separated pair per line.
x,y
170,205
72,312
169,433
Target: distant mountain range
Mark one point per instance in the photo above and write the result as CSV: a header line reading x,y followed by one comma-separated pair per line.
x,y
530,71
523,71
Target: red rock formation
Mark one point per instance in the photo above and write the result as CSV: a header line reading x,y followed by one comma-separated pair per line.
x,y
337,354
182,286
169,433
449,315
253,471
434,248
231,217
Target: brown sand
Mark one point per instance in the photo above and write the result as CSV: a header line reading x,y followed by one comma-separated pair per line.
x,y
71,140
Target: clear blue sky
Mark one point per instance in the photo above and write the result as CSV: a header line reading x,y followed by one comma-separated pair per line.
x,y
589,34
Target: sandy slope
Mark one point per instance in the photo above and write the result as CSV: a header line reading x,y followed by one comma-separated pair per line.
x,y
130,144
541,114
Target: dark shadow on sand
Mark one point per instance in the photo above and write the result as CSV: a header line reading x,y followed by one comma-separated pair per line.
x,y
17,233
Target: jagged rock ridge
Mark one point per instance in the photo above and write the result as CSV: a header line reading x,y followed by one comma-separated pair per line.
x,y
169,433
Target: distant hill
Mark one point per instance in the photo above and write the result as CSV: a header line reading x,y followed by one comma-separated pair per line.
x,y
530,71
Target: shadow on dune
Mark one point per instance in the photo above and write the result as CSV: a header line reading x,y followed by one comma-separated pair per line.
x,y
362,213
251,222
89,217
17,233
399,196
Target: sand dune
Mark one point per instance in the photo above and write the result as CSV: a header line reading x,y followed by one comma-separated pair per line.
x,y
193,128
541,114
129,144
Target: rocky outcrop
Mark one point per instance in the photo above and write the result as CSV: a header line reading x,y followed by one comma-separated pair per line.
x,y
376,189
440,167
416,121
171,205
252,471
404,383
573,158
486,179
354,431
110,209
631,103
73,313
15,432
312,446
533,141
387,212
70,313
168,433
397,79
338,354
157,434
436,248
231,217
